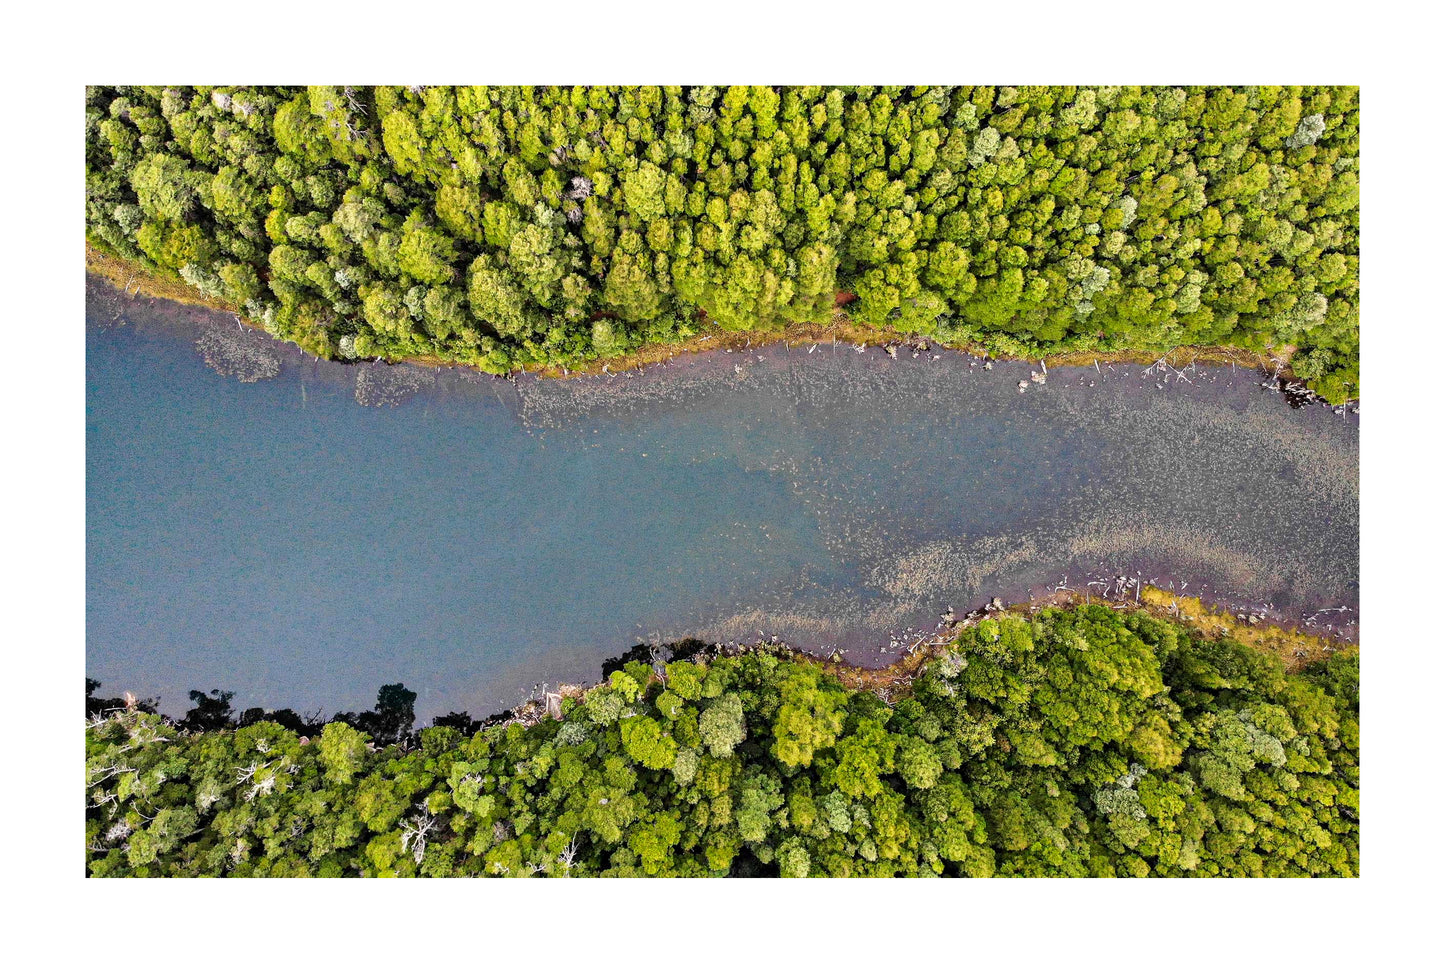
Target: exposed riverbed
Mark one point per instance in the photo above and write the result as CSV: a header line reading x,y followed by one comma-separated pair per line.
x,y
302,532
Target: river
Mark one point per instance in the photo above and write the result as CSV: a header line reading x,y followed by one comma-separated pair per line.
x,y
302,532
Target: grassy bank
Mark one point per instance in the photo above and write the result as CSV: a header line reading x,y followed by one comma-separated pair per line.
x,y
133,279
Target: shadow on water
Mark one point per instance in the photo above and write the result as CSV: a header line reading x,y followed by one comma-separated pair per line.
x,y
295,530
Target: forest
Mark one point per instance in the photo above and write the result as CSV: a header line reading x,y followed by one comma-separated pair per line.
x,y
511,227
1077,741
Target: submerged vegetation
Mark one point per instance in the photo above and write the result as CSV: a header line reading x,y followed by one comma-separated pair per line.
x,y
1077,741
503,227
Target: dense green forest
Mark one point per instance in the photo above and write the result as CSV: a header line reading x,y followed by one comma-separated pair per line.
x,y
512,226
1079,741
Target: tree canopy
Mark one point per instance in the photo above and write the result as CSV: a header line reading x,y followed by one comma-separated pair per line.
x,y
505,226
1077,742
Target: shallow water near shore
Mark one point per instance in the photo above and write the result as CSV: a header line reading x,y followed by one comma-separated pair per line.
x,y
302,532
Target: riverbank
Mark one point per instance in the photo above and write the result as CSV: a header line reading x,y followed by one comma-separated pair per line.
x,y
1013,753
134,279
1296,648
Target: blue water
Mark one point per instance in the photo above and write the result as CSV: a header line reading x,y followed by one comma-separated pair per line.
x,y
474,538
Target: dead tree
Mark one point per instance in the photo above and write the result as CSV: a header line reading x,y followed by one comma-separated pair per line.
x,y
414,833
